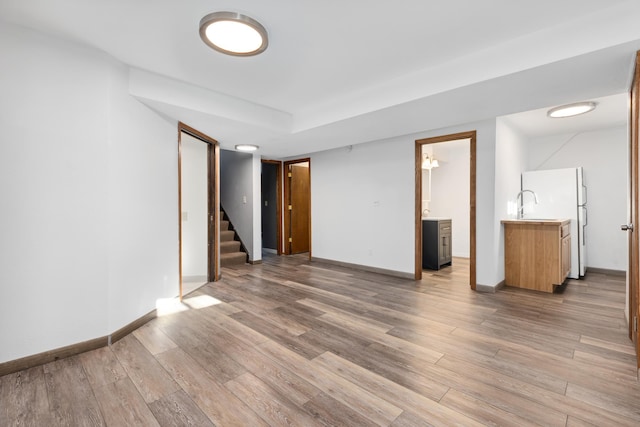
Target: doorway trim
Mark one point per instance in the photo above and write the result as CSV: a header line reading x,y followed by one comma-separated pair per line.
x,y
213,203
278,164
287,192
471,136
634,211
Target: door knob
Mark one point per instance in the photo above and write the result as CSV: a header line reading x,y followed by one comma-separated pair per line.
x,y
625,227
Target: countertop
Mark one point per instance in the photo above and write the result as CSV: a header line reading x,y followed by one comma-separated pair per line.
x,y
536,221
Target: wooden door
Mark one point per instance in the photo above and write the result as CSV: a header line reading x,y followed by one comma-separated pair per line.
x,y
299,208
633,225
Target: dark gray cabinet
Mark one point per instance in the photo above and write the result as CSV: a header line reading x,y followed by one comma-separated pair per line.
x,y
436,243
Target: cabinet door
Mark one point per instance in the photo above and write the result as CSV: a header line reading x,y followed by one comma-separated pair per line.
x,y
565,257
444,251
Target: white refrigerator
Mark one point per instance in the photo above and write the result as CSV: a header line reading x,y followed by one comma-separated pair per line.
x,y
561,194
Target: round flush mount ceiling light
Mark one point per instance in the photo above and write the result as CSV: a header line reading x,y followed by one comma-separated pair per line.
x,y
246,147
571,110
233,33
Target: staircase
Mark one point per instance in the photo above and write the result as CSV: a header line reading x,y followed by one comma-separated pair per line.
x,y
231,252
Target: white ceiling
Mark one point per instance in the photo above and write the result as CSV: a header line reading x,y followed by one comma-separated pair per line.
x,y
610,111
344,72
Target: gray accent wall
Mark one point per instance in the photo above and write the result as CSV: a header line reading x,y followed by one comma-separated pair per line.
x,y
240,195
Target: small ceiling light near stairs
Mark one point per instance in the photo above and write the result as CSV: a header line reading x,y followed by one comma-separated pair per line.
x,y
246,147
571,110
233,33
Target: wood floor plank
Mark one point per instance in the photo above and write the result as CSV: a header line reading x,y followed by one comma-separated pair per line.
x,y
623,366
278,335
122,405
71,398
339,343
220,405
331,413
276,376
271,406
445,343
626,348
151,380
511,385
102,367
572,370
575,422
482,412
273,317
237,329
409,419
393,392
394,366
24,400
345,318
154,340
621,404
239,294
365,403
216,362
177,410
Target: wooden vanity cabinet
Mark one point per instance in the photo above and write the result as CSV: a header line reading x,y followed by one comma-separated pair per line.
x,y
537,254
436,243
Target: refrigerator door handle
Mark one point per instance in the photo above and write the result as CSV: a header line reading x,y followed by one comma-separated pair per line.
x,y
585,221
584,195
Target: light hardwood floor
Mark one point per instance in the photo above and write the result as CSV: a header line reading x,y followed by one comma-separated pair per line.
x,y
289,342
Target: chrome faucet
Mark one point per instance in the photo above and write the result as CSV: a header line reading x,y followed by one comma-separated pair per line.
x,y
521,197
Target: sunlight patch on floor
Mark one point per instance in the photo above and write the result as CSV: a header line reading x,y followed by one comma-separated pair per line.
x,y
167,306
201,301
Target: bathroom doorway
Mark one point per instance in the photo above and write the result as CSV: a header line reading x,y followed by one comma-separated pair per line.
x,y
429,186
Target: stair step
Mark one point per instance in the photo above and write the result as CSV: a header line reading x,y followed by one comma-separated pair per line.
x,y
227,235
233,258
229,246
224,225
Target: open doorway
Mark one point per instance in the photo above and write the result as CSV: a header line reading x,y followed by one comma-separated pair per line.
x,y
271,190
297,195
435,220
199,209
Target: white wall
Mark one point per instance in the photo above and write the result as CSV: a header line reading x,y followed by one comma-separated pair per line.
x,y
54,180
89,185
240,197
604,158
143,205
194,207
511,160
450,191
363,203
